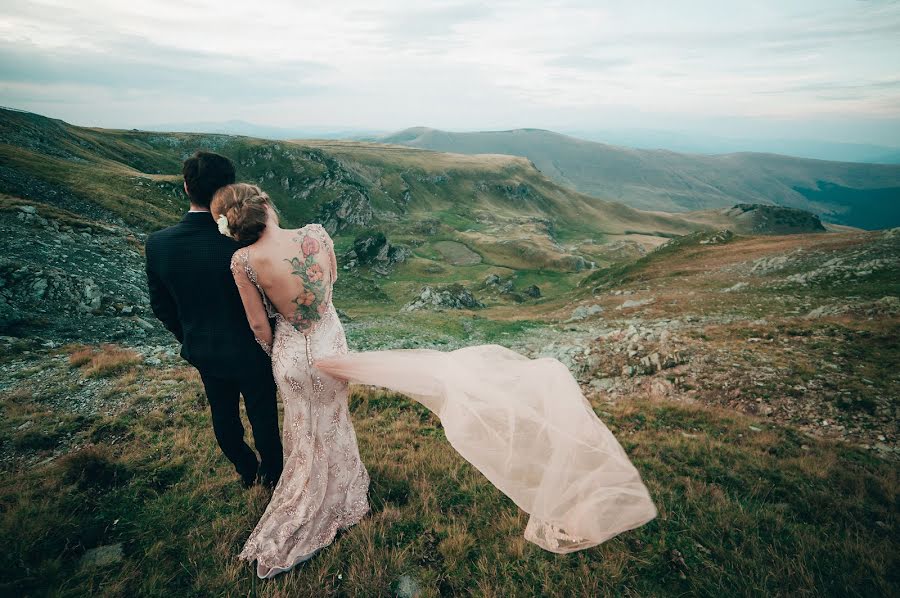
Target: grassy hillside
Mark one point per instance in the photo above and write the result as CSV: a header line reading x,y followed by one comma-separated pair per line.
x,y
750,377
862,195
766,437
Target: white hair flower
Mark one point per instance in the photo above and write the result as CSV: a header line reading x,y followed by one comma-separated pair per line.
x,y
222,221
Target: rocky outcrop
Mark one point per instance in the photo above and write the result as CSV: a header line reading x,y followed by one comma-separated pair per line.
x,y
374,250
505,288
351,208
453,296
533,291
804,268
717,238
761,219
72,280
306,175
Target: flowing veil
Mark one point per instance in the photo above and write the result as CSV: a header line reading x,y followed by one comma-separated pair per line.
x,y
525,424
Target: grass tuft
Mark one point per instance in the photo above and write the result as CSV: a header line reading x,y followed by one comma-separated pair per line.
x,y
93,467
107,361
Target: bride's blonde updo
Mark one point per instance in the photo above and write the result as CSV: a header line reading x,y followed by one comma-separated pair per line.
x,y
244,206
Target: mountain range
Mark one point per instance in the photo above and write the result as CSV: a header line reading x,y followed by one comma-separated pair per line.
x,y
854,194
499,206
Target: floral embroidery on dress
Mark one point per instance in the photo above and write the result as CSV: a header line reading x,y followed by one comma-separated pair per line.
x,y
324,484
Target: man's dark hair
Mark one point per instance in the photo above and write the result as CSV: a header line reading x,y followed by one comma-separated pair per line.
x,y
205,173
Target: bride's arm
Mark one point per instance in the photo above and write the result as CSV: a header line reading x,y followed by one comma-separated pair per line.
x,y
330,244
253,306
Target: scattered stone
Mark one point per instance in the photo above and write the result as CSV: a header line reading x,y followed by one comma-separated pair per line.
x,y
603,384
584,311
407,587
141,322
826,310
889,304
737,287
629,303
103,556
722,236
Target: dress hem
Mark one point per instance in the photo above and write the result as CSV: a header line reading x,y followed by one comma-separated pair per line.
x,y
285,567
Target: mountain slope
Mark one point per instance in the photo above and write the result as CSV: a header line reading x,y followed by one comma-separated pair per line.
x,y
500,205
75,187
862,195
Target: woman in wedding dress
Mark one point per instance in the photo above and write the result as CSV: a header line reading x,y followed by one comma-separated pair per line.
x,y
524,423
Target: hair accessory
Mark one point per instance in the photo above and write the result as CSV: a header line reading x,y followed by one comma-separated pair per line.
x,y
222,221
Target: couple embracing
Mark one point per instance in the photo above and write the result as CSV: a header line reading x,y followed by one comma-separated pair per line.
x,y
251,304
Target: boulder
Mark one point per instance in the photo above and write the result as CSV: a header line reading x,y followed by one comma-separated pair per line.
x,y
374,250
454,296
533,291
629,303
102,556
584,311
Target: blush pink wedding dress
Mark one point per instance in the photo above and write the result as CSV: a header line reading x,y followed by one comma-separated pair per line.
x,y
523,423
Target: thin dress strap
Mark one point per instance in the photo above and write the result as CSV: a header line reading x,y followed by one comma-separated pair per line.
x,y
244,256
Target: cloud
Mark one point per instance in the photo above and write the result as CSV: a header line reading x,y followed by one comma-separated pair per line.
x,y
453,64
132,64
404,25
588,63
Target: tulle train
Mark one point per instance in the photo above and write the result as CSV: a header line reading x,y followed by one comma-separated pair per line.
x,y
525,424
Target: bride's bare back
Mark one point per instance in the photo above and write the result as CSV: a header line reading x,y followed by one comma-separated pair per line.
x,y
295,270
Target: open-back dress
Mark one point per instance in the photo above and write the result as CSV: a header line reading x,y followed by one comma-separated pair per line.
x,y
524,423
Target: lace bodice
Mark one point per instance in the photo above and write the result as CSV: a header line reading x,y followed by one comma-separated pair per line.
x,y
324,485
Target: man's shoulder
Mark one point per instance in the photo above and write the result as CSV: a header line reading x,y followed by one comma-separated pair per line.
x,y
163,232
201,242
160,238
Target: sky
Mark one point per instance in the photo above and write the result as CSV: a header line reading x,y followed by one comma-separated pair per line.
x,y
821,69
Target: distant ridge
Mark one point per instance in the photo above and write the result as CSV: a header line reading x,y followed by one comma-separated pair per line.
x,y
854,194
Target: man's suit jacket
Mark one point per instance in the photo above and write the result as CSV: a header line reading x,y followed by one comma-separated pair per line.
x,y
193,293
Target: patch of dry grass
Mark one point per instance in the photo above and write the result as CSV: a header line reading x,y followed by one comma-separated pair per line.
x,y
105,361
81,356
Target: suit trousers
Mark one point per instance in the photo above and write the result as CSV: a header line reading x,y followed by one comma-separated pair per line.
x,y
223,394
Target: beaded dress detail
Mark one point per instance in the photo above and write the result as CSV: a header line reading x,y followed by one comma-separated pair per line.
x,y
523,423
324,484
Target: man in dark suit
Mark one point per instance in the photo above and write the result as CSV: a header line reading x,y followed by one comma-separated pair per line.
x,y
193,293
